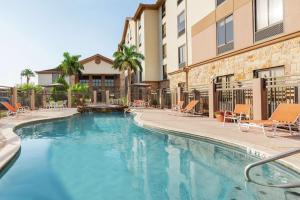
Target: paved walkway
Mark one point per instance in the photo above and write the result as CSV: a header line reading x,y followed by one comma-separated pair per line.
x,y
253,140
10,142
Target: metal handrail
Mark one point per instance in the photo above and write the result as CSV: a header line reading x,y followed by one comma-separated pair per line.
x,y
270,159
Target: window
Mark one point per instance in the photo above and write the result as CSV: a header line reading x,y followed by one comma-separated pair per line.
x,y
226,80
139,24
179,1
163,10
164,51
225,31
141,76
96,81
268,13
140,40
54,77
84,79
219,2
165,73
109,81
164,31
269,73
181,24
181,56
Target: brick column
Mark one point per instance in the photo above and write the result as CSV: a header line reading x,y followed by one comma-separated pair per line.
x,y
178,95
44,99
259,99
32,100
161,99
69,98
107,96
212,100
95,96
14,99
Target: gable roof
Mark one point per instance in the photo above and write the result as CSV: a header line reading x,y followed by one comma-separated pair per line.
x,y
97,58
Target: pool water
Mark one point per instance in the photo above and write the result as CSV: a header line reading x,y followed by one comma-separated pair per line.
x,y
107,156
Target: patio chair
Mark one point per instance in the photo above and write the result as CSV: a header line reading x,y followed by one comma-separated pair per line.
x,y
21,108
284,115
178,107
190,107
241,111
11,110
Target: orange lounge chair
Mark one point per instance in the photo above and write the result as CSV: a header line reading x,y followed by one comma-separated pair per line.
x,y
190,107
284,115
10,108
21,108
240,111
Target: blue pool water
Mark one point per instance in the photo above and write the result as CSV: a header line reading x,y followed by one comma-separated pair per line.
x,y
107,156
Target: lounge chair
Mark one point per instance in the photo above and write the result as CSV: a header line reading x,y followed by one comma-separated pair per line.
x,y
284,115
241,111
21,108
190,107
11,110
178,107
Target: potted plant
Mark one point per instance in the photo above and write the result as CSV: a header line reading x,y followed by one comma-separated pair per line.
x,y
219,116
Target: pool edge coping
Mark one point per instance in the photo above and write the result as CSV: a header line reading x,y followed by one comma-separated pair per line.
x,y
250,150
12,142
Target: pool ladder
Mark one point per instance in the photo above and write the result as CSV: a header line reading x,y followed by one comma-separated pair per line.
x,y
270,159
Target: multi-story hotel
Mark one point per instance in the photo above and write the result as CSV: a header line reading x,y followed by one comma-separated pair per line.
x,y
218,51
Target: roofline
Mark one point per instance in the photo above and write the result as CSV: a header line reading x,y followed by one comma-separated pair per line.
x,y
84,61
141,8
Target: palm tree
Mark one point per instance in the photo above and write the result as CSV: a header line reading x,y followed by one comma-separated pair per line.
x,y
128,59
70,65
28,73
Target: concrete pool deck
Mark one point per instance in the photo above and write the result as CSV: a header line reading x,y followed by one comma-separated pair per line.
x,y
10,143
253,141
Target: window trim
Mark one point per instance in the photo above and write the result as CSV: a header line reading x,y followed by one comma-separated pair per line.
x,y
269,25
184,62
217,5
164,51
224,19
163,10
164,33
180,33
179,2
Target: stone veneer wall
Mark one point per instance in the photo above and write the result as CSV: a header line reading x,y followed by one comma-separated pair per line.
x,y
286,53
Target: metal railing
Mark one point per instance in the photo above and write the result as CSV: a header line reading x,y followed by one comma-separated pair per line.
x,y
200,93
267,160
231,93
281,90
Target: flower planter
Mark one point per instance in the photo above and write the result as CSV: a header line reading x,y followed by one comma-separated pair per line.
x,y
220,118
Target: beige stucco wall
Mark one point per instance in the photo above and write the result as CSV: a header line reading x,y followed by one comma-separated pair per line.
x,y
102,68
292,15
151,47
242,66
204,44
44,79
243,26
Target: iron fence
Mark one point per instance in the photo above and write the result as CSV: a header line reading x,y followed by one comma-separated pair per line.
x,y
228,94
281,90
200,93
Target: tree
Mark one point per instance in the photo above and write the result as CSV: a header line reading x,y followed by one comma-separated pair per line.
x,y
28,73
128,59
71,65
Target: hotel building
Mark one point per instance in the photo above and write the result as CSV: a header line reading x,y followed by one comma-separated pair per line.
x,y
221,52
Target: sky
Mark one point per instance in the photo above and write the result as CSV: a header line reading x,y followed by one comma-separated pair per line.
x,y
35,33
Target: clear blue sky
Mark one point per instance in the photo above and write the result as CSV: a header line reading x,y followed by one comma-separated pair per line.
x,y
35,33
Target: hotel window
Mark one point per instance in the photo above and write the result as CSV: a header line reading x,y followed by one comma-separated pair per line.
x,y
165,73
84,80
164,51
181,23
54,77
163,10
225,34
139,24
219,2
96,81
181,56
164,30
269,73
268,18
109,81
179,1
141,76
140,40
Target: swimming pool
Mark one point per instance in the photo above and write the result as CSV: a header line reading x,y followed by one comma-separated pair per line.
x,y
107,156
